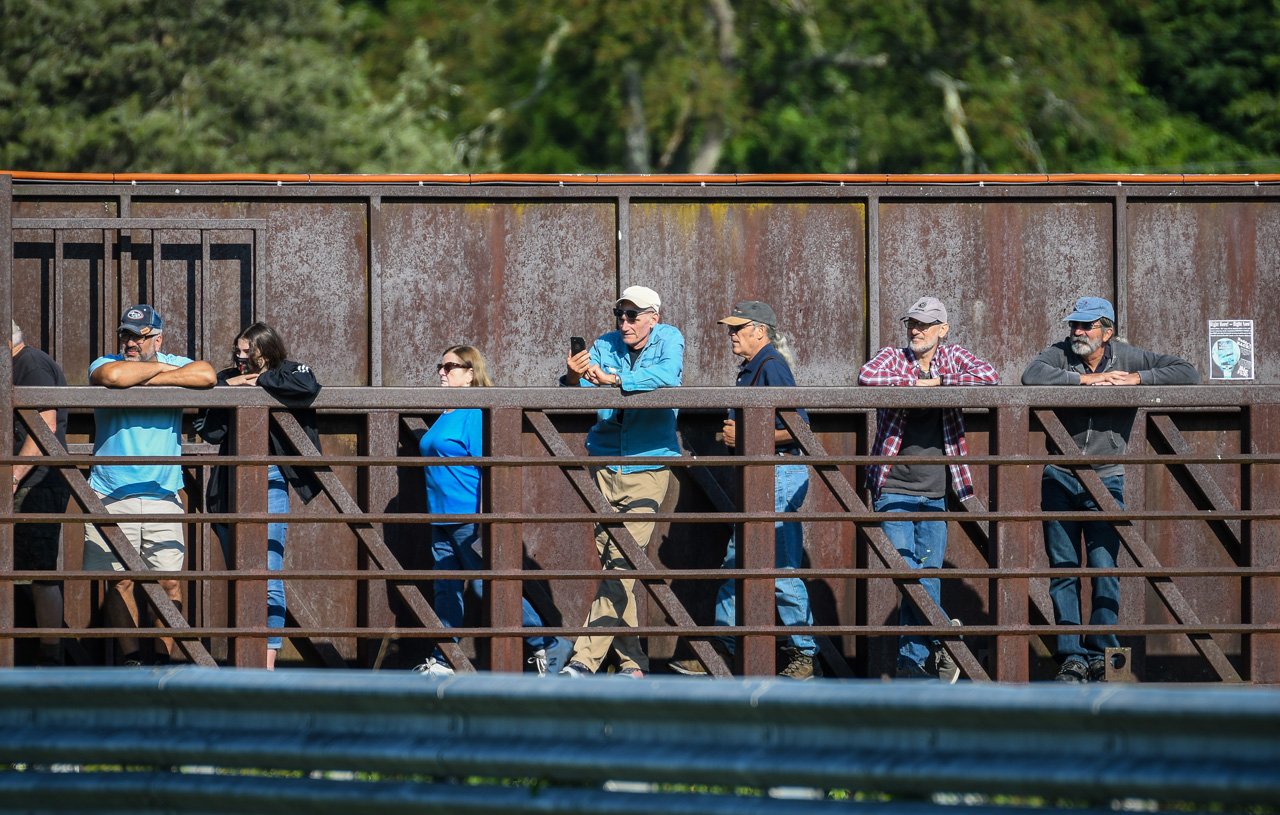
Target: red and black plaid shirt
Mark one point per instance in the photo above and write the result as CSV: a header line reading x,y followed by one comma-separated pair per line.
x,y
893,367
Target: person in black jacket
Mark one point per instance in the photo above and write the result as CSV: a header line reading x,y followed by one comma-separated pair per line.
x,y
260,359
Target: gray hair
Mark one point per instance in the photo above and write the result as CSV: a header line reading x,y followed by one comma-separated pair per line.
x,y
783,345
15,336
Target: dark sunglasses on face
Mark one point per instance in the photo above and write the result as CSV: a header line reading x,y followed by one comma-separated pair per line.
x,y
125,336
1083,326
630,314
450,367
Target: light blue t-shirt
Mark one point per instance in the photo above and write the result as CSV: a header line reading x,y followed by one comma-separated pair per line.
x,y
137,432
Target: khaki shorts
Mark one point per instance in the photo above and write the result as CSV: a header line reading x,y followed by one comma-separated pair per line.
x,y
159,544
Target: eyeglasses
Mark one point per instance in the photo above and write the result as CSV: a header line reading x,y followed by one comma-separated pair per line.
x,y
127,337
630,314
734,329
450,367
1083,326
916,325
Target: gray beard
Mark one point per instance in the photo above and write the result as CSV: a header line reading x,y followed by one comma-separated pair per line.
x,y
1083,348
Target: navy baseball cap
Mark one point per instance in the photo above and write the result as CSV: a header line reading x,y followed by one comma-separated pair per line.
x,y
1089,309
142,320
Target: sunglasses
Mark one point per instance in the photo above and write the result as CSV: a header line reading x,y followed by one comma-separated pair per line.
x,y
630,314
450,367
126,336
1083,326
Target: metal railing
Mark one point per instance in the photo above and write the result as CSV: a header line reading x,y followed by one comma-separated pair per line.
x,y
196,740
1197,560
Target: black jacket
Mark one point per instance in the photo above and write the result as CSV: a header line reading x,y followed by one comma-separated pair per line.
x,y
296,387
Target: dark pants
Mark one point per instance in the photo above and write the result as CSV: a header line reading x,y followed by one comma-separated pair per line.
x,y
1062,492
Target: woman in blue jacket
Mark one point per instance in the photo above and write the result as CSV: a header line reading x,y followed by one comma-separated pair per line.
x,y
455,490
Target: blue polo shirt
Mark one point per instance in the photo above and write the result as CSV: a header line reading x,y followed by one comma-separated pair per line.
x,y
137,432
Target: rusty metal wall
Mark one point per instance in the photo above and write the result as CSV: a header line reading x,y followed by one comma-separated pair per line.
x,y
370,283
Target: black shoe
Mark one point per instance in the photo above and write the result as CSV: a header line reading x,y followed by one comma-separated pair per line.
x,y
1097,670
1074,671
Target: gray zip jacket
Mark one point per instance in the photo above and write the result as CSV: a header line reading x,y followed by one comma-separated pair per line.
x,y
1105,431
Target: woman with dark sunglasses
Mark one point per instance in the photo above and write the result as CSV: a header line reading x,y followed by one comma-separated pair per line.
x,y
259,359
455,490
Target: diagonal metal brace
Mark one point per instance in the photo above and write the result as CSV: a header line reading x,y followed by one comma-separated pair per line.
x,y
1138,548
884,549
659,589
372,541
723,503
134,568
1229,530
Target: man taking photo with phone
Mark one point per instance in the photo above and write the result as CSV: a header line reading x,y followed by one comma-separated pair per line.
x,y
643,354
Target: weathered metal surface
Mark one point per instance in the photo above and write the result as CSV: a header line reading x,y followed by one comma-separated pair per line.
x,y
516,280
1193,261
369,282
1008,272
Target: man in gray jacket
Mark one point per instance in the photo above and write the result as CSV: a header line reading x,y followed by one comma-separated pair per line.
x,y
1089,357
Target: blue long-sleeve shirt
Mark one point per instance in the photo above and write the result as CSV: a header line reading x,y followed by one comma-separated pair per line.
x,y
638,432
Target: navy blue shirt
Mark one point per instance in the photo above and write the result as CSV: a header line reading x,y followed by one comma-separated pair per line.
x,y
768,369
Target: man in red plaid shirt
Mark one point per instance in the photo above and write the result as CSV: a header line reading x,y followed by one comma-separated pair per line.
x,y
926,361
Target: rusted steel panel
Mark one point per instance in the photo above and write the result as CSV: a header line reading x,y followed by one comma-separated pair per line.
x,y
1191,262
316,269
1007,271
807,260
514,279
1190,543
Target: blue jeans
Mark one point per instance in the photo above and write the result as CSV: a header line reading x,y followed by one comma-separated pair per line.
x,y
790,485
457,546
1062,492
923,544
277,504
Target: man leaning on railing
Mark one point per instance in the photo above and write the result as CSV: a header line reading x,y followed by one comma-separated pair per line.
x,y
140,489
1090,355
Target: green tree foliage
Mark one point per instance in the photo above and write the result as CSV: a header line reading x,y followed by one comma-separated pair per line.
x,y
641,85
835,85
1215,60
208,86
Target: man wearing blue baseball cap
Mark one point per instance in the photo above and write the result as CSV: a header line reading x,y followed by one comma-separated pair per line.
x,y
1089,356
144,488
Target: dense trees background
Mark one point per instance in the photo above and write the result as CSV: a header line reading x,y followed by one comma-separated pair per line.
x,y
641,85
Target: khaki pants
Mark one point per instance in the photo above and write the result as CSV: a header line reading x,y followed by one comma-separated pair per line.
x,y
159,544
615,602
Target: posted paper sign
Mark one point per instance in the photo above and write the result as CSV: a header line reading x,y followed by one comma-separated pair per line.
x,y
1231,350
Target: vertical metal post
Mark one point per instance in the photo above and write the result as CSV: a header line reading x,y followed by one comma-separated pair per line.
x,y
506,541
381,488
248,598
1261,486
6,417
756,539
1014,492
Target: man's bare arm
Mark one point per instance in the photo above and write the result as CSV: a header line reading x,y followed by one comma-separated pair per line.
x,y
198,374
126,373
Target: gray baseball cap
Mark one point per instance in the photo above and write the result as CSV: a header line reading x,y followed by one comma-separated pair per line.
x,y
927,310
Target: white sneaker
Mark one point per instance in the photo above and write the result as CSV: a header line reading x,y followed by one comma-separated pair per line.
x,y
539,661
434,667
575,670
